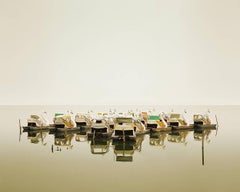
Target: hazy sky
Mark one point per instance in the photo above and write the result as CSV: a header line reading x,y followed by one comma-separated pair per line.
x,y
119,52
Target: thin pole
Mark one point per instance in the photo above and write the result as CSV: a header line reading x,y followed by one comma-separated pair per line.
x,y
203,147
217,121
20,130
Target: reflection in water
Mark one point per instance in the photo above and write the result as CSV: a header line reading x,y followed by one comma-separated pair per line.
x,y
62,140
100,146
122,150
157,139
82,135
202,135
178,137
35,137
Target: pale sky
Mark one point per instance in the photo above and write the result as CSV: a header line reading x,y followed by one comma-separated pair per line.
x,y
148,52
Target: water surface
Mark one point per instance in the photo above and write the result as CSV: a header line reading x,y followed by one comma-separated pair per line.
x,y
156,163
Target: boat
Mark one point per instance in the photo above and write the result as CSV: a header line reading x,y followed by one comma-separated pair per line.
x,y
203,122
82,120
36,122
140,128
64,123
124,129
156,123
99,128
177,122
143,116
110,120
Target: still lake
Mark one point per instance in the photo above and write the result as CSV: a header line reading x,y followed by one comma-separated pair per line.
x,y
165,162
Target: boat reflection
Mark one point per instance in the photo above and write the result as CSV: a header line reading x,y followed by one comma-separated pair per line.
x,y
62,140
100,146
36,137
123,150
202,135
199,134
158,139
178,137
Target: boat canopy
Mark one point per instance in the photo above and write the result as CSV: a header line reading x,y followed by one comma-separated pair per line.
x,y
35,117
58,114
175,115
124,120
153,117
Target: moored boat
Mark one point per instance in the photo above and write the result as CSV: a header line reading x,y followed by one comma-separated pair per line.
x,y
203,122
99,128
124,129
157,124
82,120
36,122
177,122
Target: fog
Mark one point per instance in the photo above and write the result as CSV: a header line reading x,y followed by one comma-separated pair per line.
x,y
119,52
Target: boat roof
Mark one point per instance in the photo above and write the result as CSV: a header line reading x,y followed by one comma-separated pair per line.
x,y
153,117
58,114
124,119
175,115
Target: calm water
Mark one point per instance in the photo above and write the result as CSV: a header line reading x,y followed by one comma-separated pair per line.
x,y
156,163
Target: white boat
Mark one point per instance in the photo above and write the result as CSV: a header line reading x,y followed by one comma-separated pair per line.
x,y
124,129
62,121
37,122
99,128
203,122
177,121
82,120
